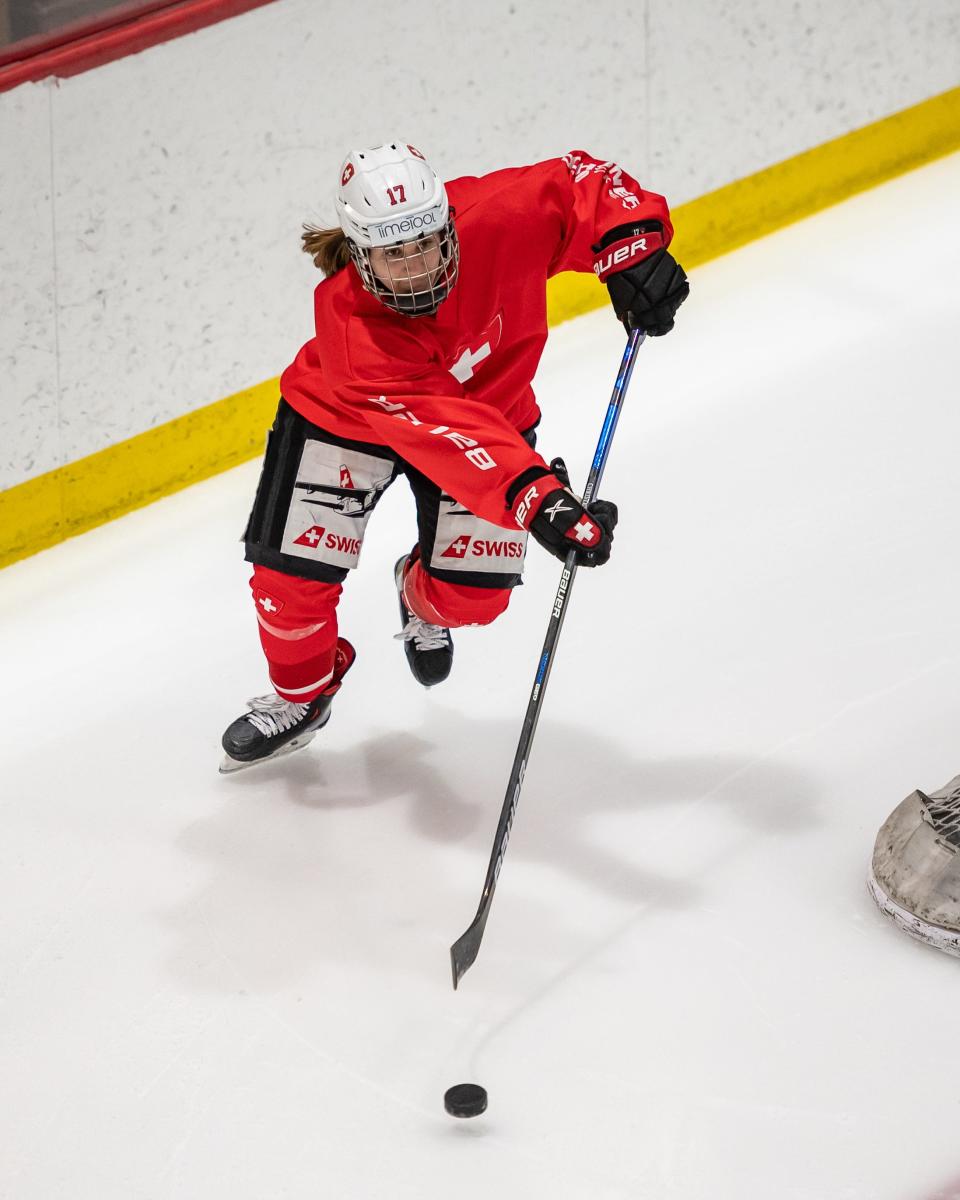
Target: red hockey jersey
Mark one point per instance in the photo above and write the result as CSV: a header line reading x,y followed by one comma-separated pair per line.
x,y
450,393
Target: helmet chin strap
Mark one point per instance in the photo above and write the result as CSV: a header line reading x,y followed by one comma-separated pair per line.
x,y
415,304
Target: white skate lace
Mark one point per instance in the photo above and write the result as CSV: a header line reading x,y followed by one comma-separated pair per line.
x,y
273,715
943,805
424,636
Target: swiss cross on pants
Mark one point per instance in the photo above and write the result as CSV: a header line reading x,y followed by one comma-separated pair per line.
x,y
267,604
310,537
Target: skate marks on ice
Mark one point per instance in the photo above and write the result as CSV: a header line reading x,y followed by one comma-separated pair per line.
x,y
741,800
338,877
338,847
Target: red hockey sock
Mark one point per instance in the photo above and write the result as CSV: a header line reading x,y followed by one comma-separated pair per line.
x,y
298,631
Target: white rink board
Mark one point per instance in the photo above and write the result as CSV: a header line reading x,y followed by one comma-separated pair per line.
x,y
238,988
157,249
29,398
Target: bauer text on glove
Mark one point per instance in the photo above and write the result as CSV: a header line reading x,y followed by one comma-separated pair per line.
x,y
646,283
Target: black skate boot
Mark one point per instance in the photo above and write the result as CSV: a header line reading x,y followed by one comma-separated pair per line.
x,y
275,726
429,648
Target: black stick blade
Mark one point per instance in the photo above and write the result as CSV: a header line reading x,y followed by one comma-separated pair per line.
x,y
464,951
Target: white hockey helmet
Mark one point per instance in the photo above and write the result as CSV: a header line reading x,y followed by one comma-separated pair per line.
x,y
392,202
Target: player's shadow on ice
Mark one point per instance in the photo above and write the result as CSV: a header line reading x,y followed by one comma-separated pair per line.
x,y
328,850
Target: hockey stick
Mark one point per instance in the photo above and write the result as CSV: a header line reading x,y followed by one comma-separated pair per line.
x,y
465,949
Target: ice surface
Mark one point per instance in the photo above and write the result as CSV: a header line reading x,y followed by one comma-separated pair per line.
x,y
239,987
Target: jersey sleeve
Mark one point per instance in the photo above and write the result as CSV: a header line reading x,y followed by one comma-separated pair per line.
x,y
420,411
595,197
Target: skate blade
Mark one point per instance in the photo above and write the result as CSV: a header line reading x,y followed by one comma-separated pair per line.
x,y
946,940
229,765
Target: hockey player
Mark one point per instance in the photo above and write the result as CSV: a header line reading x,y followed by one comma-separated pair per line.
x,y
430,324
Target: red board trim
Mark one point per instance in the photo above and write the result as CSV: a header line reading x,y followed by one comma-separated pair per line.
x,y
126,30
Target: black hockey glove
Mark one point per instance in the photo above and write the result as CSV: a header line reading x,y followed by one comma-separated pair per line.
x,y
542,503
646,283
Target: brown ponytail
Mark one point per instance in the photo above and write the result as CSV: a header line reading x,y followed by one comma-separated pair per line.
x,y
328,248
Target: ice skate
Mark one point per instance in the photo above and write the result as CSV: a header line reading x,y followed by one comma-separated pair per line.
x,y
429,648
274,726
915,874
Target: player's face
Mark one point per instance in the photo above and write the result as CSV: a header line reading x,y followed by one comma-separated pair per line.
x,y
410,267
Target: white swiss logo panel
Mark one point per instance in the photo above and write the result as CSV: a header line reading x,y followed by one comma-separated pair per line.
x,y
468,544
334,494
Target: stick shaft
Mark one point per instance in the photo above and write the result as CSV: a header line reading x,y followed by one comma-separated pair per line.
x,y
464,951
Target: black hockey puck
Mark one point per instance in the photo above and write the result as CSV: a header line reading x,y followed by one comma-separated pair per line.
x,y
465,1100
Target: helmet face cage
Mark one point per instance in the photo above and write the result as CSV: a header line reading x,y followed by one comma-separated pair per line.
x,y
412,288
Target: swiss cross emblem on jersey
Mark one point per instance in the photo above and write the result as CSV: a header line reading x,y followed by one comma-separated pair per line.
x,y
310,537
469,358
